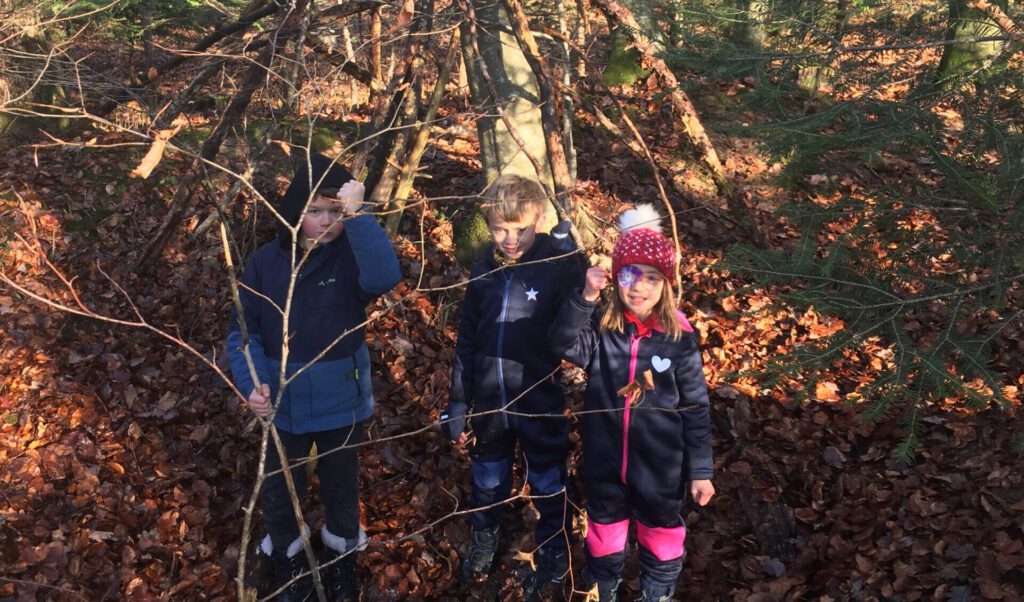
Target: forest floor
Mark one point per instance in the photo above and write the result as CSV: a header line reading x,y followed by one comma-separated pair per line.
x,y
125,462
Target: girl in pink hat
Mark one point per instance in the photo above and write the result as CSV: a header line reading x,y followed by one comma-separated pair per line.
x,y
646,427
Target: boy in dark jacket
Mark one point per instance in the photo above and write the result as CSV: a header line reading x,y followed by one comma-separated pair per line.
x,y
506,375
341,260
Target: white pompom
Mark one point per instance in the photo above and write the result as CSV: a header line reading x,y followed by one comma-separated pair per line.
x,y
644,216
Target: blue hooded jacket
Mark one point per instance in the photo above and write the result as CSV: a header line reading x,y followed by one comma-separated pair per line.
x,y
327,372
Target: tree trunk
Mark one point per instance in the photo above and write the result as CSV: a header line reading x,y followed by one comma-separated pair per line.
x,y
551,103
375,58
22,81
518,96
418,144
692,126
292,84
750,30
826,20
567,106
966,58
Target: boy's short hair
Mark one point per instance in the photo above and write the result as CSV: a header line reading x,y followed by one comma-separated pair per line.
x,y
510,197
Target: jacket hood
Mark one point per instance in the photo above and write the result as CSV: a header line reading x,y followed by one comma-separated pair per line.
x,y
321,172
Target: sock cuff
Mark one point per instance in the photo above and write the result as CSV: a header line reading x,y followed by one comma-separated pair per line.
x,y
341,544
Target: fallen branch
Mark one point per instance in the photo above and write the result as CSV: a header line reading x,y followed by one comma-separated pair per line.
x,y
252,82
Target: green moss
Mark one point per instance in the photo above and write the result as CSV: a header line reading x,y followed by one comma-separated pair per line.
x,y
472,239
623,64
322,140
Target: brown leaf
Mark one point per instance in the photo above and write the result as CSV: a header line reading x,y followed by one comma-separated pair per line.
x,y
826,391
405,15
156,152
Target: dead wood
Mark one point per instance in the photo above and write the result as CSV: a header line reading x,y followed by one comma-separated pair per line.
x,y
254,78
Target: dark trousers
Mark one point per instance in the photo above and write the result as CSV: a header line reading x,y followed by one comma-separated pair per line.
x,y
338,469
544,443
661,533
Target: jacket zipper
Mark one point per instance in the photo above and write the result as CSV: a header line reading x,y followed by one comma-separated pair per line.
x,y
634,347
501,345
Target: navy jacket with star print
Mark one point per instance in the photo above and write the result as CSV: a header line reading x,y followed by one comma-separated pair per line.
x,y
661,440
502,356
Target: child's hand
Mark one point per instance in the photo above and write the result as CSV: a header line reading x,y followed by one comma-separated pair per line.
x,y
351,196
702,491
597,279
259,401
453,422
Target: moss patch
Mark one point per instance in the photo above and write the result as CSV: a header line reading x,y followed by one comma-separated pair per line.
x,y
472,239
623,64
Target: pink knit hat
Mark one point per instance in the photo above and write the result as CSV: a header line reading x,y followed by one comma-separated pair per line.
x,y
641,241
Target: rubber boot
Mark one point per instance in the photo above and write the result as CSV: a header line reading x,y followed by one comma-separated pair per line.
x,y
339,569
286,575
483,544
607,589
652,591
552,566
286,565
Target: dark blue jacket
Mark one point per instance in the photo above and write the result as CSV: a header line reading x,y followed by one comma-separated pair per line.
x,y
664,439
502,356
328,362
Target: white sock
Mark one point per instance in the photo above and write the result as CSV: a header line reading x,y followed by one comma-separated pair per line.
x,y
340,544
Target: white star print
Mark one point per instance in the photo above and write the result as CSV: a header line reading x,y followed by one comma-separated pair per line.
x,y
531,295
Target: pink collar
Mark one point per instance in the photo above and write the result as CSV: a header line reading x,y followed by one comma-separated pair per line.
x,y
653,324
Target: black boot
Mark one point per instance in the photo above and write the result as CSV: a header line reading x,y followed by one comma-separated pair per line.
x,y
339,576
483,543
652,591
286,575
340,560
552,566
607,589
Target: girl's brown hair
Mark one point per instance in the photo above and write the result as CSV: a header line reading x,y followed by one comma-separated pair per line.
x,y
614,316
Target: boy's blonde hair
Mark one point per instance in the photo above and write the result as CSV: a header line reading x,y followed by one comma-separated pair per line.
x,y
614,316
510,197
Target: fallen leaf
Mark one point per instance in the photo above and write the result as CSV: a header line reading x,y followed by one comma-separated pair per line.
x,y
156,152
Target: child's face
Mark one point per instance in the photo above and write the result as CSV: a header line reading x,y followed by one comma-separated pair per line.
x,y
514,238
322,222
640,288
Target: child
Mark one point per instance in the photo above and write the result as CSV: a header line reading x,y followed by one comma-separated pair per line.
x,y
343,261
645,427
507,375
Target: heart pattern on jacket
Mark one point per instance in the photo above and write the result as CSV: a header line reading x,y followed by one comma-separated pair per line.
x,y
660,364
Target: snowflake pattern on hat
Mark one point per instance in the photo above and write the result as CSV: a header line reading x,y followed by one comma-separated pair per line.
x,y
642,242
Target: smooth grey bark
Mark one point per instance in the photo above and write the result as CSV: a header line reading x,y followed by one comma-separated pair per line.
x,y
750,29
966,58
518,97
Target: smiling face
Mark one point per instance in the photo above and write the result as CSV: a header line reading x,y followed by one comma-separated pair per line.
x,y
322,222
640,288
514,237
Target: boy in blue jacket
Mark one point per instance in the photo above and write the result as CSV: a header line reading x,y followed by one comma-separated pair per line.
x,y
505,377
341,261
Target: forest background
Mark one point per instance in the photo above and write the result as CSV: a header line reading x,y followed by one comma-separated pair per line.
x,y
843,177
